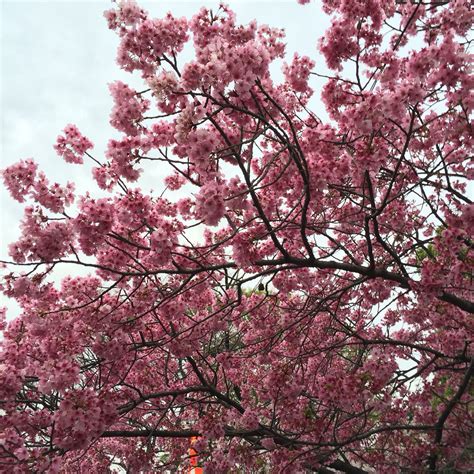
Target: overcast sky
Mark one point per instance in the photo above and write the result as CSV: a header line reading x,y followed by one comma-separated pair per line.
x,y
57,59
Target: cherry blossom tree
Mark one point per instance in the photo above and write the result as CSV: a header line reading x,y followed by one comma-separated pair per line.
x,y
300,298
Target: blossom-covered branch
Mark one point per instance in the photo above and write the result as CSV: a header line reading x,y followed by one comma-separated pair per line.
x,y
298,295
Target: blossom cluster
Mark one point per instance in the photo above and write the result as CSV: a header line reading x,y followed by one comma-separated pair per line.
x,y
72,145
297,297
128,109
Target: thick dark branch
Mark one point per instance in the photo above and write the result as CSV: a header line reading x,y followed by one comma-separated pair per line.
x,y
404,282
346,467
465,305
169,393
452,403
447,411
149,434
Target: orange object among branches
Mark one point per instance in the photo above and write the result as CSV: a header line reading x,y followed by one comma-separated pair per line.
x,y
194,458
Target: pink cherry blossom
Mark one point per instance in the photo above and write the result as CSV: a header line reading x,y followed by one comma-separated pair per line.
x,y
294,294
72,145
19,178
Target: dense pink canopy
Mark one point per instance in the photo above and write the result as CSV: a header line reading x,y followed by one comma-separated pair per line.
x,y
301,296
